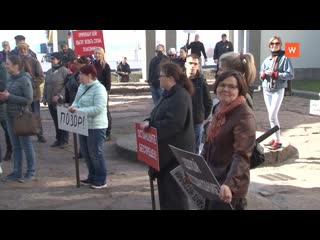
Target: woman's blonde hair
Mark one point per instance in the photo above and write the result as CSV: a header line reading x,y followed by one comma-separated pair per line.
x,y
103,59
275,38
240,62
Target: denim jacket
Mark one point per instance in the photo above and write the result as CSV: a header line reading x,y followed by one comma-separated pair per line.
x,y
285,72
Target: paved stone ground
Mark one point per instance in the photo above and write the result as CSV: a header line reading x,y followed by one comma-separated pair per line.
x,y
128,183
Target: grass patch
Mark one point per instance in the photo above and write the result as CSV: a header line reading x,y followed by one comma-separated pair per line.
x,y
306,85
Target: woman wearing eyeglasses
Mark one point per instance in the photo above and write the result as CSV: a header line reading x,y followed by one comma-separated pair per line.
x,y
173,119
229,145
276,71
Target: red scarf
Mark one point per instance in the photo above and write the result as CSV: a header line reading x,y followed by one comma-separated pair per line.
x,y
219,118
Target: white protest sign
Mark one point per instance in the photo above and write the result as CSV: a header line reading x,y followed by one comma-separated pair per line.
x,y
197,201
76,122
315,107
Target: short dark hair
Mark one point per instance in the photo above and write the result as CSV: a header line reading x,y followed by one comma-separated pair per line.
x,y
224,35
89,69
194,56
19,37
184,49
15,60
241,81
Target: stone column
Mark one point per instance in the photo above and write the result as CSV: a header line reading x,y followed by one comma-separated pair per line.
x,y
254,44
148,52
59,35
230,36
171,39
240,40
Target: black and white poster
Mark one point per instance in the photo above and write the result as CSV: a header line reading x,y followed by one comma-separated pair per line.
x,y
198,172
196,200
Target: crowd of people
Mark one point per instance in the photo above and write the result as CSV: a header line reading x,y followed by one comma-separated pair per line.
x,y
184,107
21,75
184,114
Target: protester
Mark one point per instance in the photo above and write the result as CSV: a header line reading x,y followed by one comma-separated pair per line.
x,y
221,47
92,98
153,76
230,141
201,99
104,76
173,119
54,95
18,96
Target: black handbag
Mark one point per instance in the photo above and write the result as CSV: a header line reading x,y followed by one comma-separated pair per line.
x,y
257,157
26,123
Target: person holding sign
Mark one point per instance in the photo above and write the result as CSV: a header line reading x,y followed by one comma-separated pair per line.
x,y
230,142
173,119
92,98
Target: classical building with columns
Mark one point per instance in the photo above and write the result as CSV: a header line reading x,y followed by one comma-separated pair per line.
x,y
307,66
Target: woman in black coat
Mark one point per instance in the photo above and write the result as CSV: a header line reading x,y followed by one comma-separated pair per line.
x,y
173,119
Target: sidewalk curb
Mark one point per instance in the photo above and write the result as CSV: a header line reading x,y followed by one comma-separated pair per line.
x,y
126,147
306,94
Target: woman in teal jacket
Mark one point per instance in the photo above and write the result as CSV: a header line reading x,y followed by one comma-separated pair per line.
x,y
92,98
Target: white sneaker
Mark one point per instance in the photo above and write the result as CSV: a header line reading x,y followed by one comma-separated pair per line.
x,y
99,186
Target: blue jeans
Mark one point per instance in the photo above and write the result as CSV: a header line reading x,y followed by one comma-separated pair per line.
x,y
156,94
91,148
19,143
198,135
35,106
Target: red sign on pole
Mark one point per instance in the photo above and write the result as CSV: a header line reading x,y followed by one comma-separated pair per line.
x,y
147,146
85,41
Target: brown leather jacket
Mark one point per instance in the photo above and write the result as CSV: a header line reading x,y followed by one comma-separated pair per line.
x,y
229,154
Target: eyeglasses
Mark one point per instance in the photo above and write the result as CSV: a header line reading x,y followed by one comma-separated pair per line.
x,y
171,55
275,43
229,86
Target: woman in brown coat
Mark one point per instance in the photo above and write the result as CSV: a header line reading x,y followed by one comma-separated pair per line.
x,y
230,141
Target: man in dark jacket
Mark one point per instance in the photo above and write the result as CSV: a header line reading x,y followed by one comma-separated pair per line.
x,y
196,48
123,70
221,47
201,99
68,55
21,39
181,60
153,79
33,67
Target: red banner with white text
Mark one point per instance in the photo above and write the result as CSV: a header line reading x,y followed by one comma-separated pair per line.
x,y
147,146
85,41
